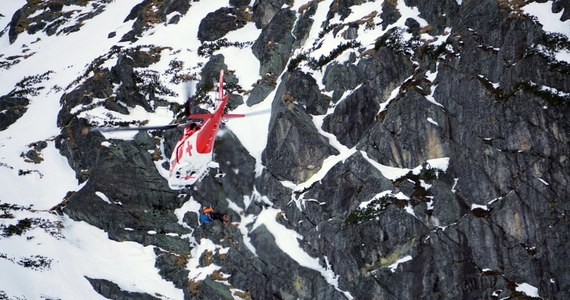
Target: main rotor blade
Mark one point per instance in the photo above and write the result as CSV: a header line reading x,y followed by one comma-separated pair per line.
x,y
159,127
258,112
248,114
187,90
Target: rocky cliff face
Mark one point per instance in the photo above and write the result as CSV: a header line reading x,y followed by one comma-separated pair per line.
x,y
407,85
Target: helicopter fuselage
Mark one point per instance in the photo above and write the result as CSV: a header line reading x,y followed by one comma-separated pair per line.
x,y
191,158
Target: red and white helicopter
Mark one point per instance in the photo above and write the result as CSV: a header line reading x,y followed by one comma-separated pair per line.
x,y
192,156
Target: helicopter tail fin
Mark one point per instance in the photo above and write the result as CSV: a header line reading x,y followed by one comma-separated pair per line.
x,y
221,86
199,116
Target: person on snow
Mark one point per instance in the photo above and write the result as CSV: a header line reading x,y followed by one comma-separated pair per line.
x,y
208,215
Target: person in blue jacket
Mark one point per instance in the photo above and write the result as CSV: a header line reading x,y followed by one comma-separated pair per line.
x,y
208,215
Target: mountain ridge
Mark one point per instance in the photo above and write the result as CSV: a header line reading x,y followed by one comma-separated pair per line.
x,y
414,149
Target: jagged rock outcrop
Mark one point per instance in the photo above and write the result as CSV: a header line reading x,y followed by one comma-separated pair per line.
x,y
265,10
149,12
262,89
50,17
295,149
129,201
377,77
216,24
500,142
284,277
561,6
11,109
307,94
135,87
413,130
110,290
275,43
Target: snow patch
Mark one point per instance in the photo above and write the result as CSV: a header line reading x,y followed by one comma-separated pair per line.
x,y
191,206
479,206
431,76
393,94
432,121
527,289
391,173
103,197
86,251
551,22
245,221
196,272
394,266
439,163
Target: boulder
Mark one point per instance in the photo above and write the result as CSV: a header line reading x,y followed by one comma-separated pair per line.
x,y
218,23
295,148
11,109
273,46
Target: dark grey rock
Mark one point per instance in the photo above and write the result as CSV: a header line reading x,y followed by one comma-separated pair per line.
x,y
295,149
239,3
390,14
439,14
34,17
11,109
362,103
111,290
341,77
236,165
494,219
303,25
264,10
147,13
262,89
141,204
216,24
283,279
275,43
306,93
342,8
172,266
561,6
